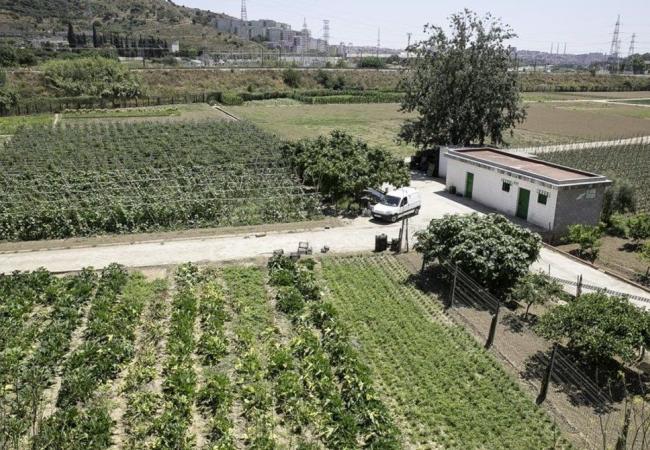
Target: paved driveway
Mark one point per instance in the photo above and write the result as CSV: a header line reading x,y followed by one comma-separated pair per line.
x,y
355,235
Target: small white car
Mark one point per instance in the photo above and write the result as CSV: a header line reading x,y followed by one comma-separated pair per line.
x,y
397,204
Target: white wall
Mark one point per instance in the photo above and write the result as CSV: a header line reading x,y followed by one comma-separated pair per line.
x,y
442,164
488,191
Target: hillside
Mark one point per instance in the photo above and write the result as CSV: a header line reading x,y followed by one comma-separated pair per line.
x,y
159,18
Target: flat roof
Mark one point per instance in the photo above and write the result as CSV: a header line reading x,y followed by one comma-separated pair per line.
x,y
532,167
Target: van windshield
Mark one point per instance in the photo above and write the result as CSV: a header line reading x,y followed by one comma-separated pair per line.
x,y
391,201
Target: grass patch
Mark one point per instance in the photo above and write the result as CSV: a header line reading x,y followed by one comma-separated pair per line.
x,y
378,124
445,390
10,124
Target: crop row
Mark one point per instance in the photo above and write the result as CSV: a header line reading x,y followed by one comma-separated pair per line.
x,y
215,397
121,178
179,375
82,419
630,163
444,389
35,350
254,332
142,399
353,410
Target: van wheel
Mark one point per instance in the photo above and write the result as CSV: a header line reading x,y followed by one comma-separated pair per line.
x,y
393,218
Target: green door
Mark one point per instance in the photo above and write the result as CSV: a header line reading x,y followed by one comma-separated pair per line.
x,y
469,185
522,203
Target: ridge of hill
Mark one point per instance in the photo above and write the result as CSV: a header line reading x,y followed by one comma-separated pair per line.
x,y
158,18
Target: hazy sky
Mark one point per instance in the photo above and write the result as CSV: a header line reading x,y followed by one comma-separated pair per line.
x,y
583,24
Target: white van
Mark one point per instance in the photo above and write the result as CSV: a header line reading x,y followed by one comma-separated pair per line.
x,y
397,204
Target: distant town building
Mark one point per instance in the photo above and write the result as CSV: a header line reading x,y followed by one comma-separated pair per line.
x,y
274,35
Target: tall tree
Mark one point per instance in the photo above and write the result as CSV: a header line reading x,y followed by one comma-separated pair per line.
x,y
461,84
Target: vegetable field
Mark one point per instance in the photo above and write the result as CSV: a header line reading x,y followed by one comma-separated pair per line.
x,y
218,358
624,162
444,390
119,178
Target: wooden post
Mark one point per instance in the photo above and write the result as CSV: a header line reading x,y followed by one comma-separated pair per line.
x,y
547,377
579,286
493,328
407,235
453,289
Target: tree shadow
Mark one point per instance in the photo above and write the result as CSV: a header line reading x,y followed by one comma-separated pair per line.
x,y
568,380
514,323
433,280
630,247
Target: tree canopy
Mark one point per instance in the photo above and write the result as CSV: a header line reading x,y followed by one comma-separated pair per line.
x,y
461,84
341,166
536,288
598,327
490,249
96,77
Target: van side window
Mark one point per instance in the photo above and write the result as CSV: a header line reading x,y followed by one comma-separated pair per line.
x,y
404,201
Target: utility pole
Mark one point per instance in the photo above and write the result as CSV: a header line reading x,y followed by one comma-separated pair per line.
x,y
630,52
326,31
616,43
244,12
408,46
378,41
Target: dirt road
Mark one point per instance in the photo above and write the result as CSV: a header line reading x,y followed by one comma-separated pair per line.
x,y
356,235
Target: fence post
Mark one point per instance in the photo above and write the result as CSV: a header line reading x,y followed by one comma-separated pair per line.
x,y
493,328
452,300
543,390
579,286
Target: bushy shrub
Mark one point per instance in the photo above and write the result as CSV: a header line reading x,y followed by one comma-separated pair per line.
x,y
372,62
292,78
490,249
638,227
619,198
231,99
598,327
645,251
588,238
99,77
341,166
290,300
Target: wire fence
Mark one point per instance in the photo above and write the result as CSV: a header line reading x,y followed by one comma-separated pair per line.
x,y
596,415
580,287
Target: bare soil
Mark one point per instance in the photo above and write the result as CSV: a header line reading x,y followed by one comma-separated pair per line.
x,y
617,255
587,121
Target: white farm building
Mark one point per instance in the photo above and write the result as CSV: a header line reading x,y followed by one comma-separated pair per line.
x,y
548,195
